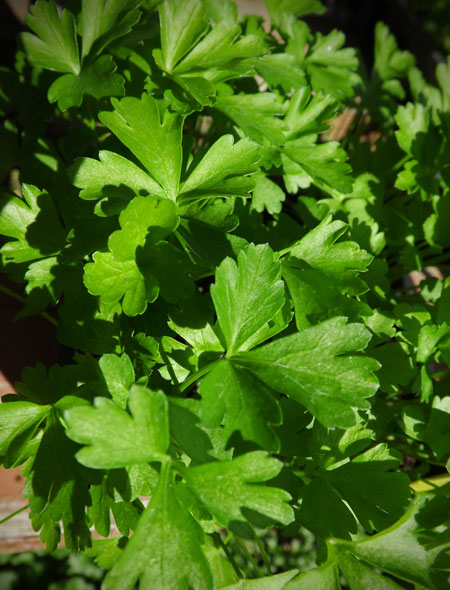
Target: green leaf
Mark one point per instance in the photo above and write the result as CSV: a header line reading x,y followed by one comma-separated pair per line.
x,y
324,164
324,577
362,483
281,70
222,49
228,489
145,221
115,280
437,433
316,367
222,171
57,487
360,577
249,407
256,114
127,270
221,10
317,297
277,582
399,550
33,223
247,297
114,438
194,323
294,7
308,114
165,550
54,45
332,68
106,552
106,176
103,21
154,137
118,375
267,195
322,272
201,442
183,23
390,62
340,260
413,122
20,421
97,79
42,287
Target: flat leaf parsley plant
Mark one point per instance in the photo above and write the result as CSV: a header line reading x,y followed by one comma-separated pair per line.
x,y
229,276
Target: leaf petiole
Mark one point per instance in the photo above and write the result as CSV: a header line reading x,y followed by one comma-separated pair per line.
x,y
196,376
13,514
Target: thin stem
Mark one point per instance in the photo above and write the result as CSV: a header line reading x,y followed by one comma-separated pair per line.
x,y
243,547
264,554
22,299
230,557
400,163
14,514
196,376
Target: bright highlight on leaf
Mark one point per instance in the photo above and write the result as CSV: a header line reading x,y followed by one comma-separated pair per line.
x,y
248,296
138,438
318,368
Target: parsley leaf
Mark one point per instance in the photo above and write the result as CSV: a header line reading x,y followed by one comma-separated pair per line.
x,y
139,438
322,272
20,421
277,582
247,297
152,556
344,381
154,138
54,45
182,24
323,164
249,407
97,79
104,178
34,224
225,489
256,114
267,195
362,483
135,262
103,21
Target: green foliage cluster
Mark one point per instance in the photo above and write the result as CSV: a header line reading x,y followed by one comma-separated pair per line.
x,y
248,354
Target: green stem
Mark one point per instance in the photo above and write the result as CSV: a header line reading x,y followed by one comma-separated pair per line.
x,y
243,547
230,557
400,163
264,554
14,514
18,297
196,376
